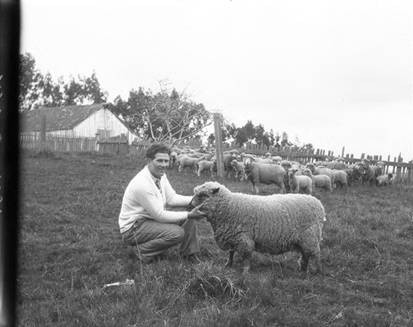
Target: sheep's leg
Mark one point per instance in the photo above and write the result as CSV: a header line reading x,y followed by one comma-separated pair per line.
x,y
244,247
230,259
255,187
310,247
304,261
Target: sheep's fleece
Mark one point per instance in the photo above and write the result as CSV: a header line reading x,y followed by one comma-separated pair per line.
x,y
272,224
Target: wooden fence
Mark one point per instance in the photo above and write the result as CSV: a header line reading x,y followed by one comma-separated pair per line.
x,y
58,144
73,144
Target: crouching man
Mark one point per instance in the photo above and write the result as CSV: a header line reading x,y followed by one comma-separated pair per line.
x,y
145,222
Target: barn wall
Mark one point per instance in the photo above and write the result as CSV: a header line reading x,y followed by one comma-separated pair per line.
x,y
102,119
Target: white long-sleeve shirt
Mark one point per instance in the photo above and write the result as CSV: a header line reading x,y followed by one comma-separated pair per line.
x,y
142,199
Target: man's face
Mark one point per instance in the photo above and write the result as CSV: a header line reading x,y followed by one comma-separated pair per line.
x,y
158,165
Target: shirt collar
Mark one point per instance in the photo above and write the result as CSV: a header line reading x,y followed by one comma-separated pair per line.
x,y
153,177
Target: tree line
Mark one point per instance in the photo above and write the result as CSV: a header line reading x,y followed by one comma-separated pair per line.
x,y
166,115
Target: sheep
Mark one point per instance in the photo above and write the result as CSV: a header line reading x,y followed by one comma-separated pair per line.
x,y
272,224
187,161
385,179
265,174
321,170
277,160
340,178
205,165
300,183
227,158
239,169
320,181
173,158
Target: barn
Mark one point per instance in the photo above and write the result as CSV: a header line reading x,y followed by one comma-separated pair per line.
x,y
76,121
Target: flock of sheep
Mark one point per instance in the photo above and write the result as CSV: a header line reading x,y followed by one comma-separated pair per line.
x,y
289,176
275,223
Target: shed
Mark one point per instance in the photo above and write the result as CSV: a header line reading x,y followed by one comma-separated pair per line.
x,y
77,121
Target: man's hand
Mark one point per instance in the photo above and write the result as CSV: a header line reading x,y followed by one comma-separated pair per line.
x,y
195,213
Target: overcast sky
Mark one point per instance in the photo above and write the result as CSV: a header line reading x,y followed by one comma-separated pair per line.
x,y
332,73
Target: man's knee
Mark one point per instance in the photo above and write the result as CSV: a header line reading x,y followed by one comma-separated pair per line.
x,y
176,234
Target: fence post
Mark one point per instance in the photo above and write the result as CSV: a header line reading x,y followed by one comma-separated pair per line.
x,y
399,169
218,144
43,134
409,172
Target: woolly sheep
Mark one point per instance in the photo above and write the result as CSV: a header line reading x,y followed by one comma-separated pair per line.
x,y
321,170
227,158
186,161
340,178
265,174
272,224
320,181
299,183
239,169
205,165
385,179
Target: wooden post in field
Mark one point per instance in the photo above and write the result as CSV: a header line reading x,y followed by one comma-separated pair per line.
x,y
399,169
409,172
218,144
43,134
342,152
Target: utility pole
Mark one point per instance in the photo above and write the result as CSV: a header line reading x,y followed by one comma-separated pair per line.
x,y
218,144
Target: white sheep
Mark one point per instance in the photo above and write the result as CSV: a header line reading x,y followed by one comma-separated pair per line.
x,y
239,169
320,181
339,178
265,174
321,170
187,161
299,183
385,179
205,165
273,224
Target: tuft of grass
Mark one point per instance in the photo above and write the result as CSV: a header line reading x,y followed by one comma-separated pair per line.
x,y
213,283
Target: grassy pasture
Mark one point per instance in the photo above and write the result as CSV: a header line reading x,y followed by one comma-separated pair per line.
x,y
70,247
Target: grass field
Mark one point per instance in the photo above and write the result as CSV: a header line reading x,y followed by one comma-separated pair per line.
x,y
70,247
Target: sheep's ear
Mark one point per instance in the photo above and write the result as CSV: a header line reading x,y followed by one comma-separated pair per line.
x,y
215,190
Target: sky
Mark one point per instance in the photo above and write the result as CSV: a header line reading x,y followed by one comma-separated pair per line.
x,y
331,73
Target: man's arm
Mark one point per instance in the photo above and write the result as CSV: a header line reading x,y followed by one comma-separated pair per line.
x,y
154,206
174,199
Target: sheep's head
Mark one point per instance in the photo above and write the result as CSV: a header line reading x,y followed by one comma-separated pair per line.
x,y
204,192
307,172
311,167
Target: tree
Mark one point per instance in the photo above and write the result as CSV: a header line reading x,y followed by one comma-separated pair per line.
x,y
249,130
164,116
93,91
37,89
259,134
229,131
284,139
49,92
29,76
241,138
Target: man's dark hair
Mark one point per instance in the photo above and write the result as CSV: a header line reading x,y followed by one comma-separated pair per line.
x,y
157,148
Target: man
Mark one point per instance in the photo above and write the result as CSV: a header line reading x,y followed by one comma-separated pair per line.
x,y
144,221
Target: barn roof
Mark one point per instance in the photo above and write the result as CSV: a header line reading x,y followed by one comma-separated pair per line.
x,y
58,118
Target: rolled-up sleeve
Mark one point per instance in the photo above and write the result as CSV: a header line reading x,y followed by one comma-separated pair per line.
x,y
172,198
155,208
